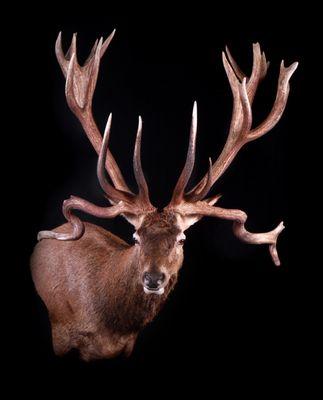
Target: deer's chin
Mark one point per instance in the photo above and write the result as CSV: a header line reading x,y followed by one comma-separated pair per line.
x,y
159,291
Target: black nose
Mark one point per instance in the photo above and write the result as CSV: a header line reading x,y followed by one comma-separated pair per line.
x,y
153,279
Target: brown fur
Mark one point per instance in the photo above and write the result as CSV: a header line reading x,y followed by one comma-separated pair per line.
x,y
93,290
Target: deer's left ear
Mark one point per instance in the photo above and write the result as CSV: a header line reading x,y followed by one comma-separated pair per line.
x,y
185,221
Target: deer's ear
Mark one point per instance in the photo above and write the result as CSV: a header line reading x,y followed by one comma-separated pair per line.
x,y
133,219
185,221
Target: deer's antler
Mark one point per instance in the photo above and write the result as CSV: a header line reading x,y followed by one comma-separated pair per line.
x,y
191,206
131,206
79,90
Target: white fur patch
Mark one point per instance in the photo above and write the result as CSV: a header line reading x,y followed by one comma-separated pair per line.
x,y
160,291
136,237
181,236
185,221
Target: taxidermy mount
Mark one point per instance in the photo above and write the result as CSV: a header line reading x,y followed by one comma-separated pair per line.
x,y
101,291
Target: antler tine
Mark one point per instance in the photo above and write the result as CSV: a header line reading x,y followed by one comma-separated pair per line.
x,y
197,196
112,193
265,66
106,43
259,69
104,47
246,107
93,67
137,167
72,48
62,60
80,86
183,179
92,52
237,70
237,117
279,104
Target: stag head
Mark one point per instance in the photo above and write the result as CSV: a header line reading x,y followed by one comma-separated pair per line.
x,y
159,235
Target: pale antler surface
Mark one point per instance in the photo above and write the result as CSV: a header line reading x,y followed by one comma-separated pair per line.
x,y
190,205
101,291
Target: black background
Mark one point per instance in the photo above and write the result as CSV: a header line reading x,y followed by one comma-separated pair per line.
x,y
231,310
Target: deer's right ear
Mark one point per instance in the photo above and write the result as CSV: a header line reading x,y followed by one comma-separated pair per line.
x,y
134,220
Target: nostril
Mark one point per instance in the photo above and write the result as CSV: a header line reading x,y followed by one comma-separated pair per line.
x,y
148,280
153,280
161,278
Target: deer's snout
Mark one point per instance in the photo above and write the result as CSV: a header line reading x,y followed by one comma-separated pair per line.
x,y
153,282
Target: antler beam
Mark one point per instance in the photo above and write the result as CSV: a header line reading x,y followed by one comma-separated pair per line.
x,y
205,209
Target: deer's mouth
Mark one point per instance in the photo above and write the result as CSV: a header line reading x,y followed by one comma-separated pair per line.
x,y
158,291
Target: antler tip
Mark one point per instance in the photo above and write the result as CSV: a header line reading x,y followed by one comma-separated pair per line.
x,y
294,66
194,109
280,226
58,46
288,70
108,126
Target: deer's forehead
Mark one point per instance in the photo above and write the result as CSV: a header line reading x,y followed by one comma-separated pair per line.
x,y
161,224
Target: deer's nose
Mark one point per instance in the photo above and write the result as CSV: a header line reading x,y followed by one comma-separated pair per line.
x,y
153,280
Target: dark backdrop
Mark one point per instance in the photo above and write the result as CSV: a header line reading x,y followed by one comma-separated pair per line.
x,y
231,306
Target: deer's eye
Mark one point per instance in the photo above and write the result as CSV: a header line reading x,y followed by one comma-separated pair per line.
x,y
181,239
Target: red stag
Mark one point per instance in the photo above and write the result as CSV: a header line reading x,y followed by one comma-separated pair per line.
x,y
99,290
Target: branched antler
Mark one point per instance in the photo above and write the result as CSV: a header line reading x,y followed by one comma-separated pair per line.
x,y
190,205
79,90
132,207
